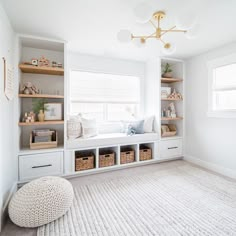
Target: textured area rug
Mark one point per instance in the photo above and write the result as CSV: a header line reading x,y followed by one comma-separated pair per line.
x,y
181,201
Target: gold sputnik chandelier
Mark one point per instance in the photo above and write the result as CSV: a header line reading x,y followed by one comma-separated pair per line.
x,y
126,36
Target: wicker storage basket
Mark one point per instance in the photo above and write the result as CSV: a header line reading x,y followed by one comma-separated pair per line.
x,y
170,133
107,158
126,156
84,161
145,153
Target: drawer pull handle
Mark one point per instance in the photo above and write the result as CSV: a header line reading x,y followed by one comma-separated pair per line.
x,y
34,167
172,147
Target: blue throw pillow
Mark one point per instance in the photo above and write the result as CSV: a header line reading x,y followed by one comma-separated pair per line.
x,y
135,127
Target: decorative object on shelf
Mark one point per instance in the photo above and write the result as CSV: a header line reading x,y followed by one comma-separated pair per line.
x,y
53,111
39,108
41,142
165,92
29,88
74,127
59,65
56,64
175,95
43,61
29,117
41,116
155,19
167,71
168,130
172,110
42,135
34,61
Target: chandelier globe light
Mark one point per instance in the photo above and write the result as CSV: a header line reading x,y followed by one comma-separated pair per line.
x,y
143,14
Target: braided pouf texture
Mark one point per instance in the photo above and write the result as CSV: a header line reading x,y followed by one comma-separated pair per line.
x,y
41,201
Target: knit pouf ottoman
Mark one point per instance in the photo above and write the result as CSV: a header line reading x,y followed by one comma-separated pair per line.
x,y
41,201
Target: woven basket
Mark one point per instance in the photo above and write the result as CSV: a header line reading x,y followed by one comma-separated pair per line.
x,y
145,153
84,161
107,159
126,156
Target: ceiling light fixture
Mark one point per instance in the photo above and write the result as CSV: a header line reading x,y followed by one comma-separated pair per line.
x,y
168,48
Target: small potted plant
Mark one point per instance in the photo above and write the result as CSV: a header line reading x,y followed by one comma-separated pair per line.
x,y
167,71
38,108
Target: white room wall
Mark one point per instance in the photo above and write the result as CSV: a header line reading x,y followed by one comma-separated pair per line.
x,y
8,161
210,142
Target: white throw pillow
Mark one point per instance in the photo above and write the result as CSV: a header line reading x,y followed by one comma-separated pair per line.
x,y
148,124
89,127
74,129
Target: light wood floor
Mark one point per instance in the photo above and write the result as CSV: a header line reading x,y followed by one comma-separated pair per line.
x,y
12,230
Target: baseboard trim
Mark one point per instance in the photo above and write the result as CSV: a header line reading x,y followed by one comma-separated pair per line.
x,y
5,205
211,166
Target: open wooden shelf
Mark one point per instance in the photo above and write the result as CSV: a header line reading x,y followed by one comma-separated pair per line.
x,y
53,122
171,80
41,70
169,118
40,96
171,99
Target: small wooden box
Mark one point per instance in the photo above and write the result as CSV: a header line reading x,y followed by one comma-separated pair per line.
x,y
127,156
107,159
44,145
145,153
84,161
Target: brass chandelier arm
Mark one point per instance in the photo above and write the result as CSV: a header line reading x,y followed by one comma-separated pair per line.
x,y
144,36
168,30
153,24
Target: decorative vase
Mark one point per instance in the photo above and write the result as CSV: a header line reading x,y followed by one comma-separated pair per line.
x,y
41,116
167,75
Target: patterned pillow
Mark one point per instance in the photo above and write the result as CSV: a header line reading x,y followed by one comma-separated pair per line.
x,y
89,127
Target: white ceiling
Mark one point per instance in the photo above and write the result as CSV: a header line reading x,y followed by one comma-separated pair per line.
x,y
90,26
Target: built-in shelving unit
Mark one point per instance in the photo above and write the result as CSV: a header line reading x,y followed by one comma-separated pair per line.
x,y
48,80
171,99
170,119
55,122
41,70
175,83
40,96
170,80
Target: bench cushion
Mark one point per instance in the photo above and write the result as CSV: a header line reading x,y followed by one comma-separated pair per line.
x,y
111,139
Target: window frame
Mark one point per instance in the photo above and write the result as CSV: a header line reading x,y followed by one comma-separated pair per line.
x,y
141,91
211,65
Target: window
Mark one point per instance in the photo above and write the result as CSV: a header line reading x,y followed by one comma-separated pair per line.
x,y
222,87
105,97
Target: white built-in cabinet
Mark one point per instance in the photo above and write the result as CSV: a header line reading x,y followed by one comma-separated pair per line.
x,y
60,161
172,146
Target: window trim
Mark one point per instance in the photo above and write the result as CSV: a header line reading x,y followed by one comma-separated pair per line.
x,y
142,89
211,65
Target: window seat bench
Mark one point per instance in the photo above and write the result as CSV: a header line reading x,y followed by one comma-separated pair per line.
x,y
110,139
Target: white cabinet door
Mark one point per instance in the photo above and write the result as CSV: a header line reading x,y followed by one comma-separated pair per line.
x,y
171,148
37,165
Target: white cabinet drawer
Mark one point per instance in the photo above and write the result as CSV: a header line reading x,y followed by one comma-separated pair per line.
x,y
171,148
37,165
